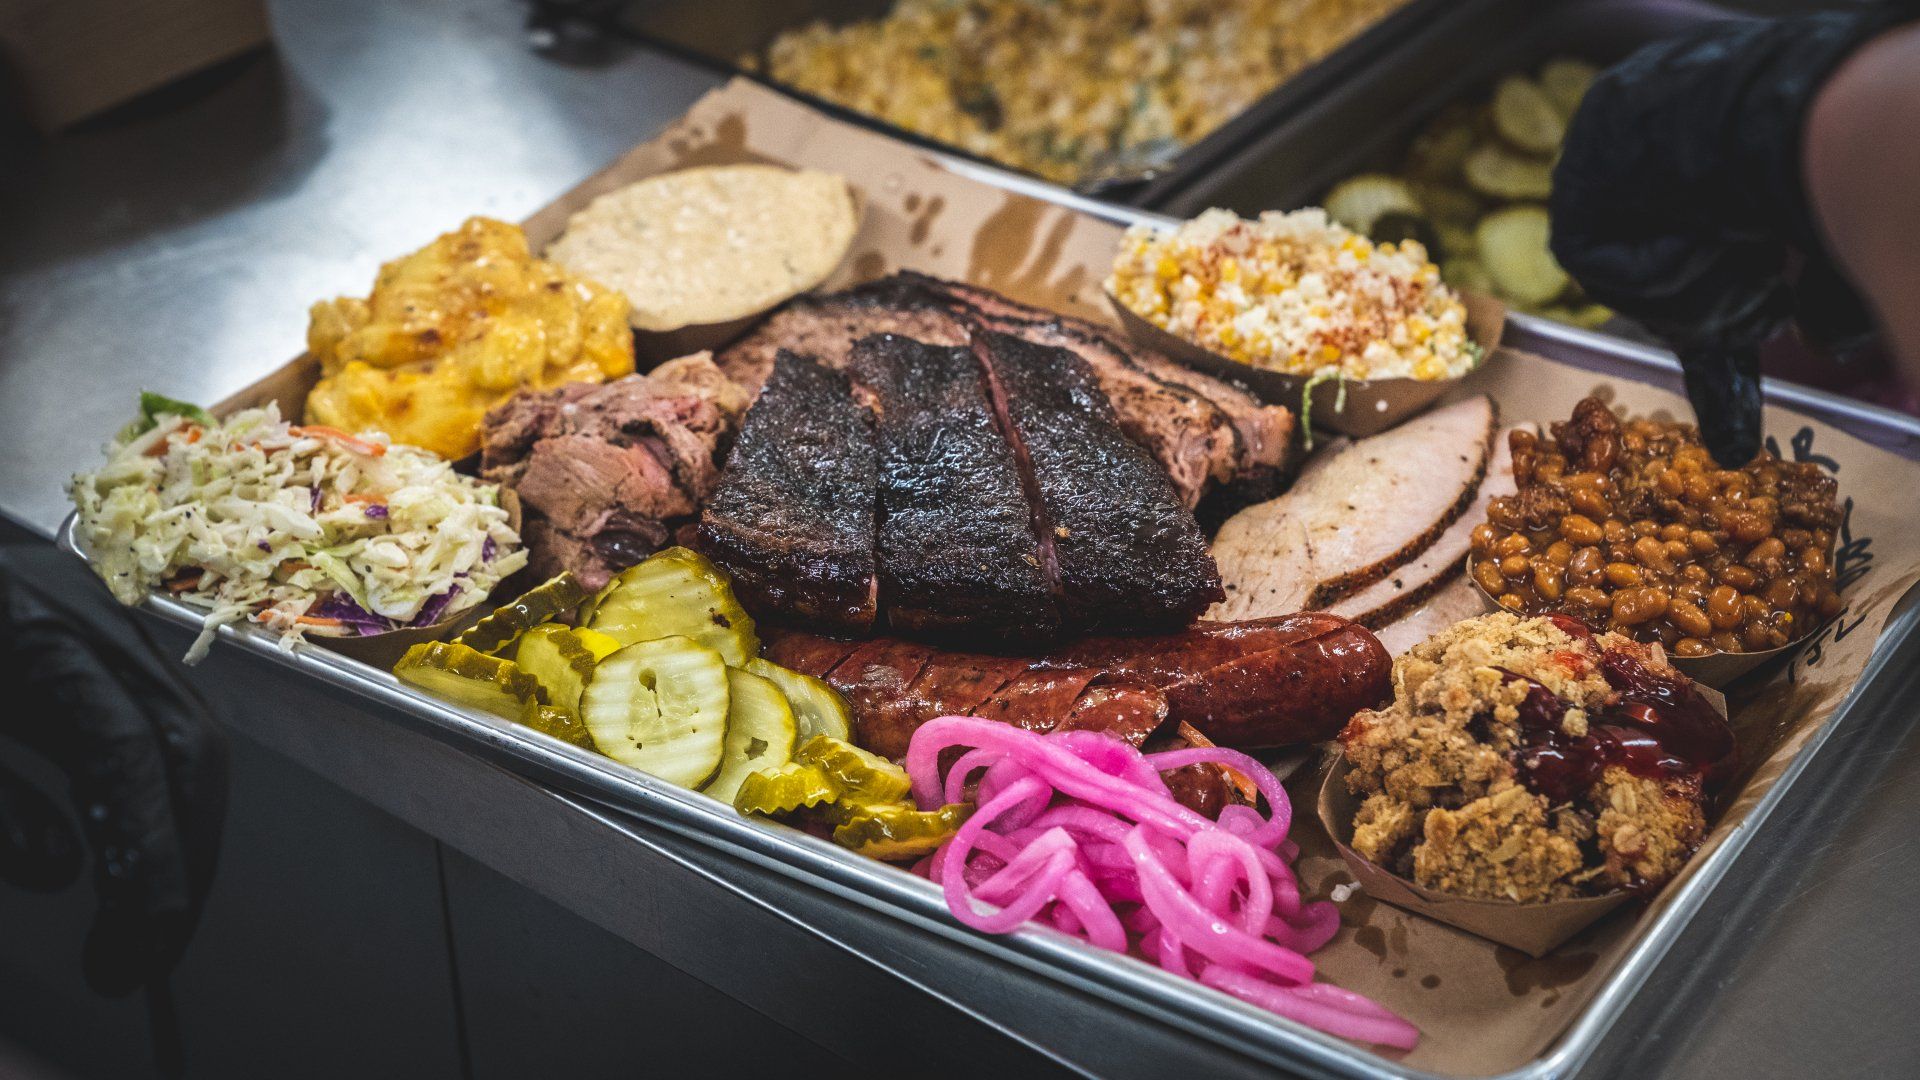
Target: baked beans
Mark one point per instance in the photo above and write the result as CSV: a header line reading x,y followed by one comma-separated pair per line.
x,y
1631,526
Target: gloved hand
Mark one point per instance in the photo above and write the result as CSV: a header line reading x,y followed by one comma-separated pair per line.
x,y
146,765
1679,201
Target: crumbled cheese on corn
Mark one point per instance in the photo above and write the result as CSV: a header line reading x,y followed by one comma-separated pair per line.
x,y
1296,293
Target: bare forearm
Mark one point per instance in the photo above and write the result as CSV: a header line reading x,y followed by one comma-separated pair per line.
x,y
1863,178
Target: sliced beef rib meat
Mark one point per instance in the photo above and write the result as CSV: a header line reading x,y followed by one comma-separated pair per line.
x,y
794,518
1202,430
1207,434
1193,442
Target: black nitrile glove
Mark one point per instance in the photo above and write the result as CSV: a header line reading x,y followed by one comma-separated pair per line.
x,y
1679,201
146,767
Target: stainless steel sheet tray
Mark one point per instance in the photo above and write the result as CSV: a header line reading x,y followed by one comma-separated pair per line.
x,y
1152,995
690,29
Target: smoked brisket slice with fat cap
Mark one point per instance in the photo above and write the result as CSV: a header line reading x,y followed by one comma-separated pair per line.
x,y
825,327
1173,411
1119,548
1209,435
956,550
793,520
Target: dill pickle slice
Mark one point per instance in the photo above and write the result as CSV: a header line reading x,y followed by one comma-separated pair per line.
x,y
1514,248
1503,174
785,789
597,643
1467,273
1440,148
675,592
864,776
555,655
1358,202
818,709
1526,117
1454,239
466,676
661,707
760,733
559,723
1586,316
542,603
898,831
1565,82
1449,204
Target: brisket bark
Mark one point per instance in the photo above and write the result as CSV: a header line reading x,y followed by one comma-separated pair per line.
x,y
793,520
1122,552
956,548
1209,435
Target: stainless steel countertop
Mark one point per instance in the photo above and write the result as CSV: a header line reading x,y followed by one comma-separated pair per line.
x,y
177,246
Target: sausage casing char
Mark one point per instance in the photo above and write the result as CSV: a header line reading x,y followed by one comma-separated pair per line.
x,y
1263,683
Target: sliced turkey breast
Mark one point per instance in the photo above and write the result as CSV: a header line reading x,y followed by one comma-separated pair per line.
x,y
1406,587
1355,514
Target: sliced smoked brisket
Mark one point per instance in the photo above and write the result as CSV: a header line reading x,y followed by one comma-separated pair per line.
x,y
825,327
1122,551
1209,435
793,520
956,548
1173,411
608,472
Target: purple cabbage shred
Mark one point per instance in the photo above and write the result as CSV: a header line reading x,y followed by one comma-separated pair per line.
x,y
434,608
376,511
340,606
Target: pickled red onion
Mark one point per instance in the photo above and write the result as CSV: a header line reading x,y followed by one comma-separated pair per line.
x,y
1078,830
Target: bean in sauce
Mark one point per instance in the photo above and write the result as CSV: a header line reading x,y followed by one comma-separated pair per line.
x,y
1631,526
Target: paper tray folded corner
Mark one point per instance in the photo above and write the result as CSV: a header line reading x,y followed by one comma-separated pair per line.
x,y
1534,929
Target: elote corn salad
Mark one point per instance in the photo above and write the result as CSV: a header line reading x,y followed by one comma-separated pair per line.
x,y
307,530
1056,87
1298,294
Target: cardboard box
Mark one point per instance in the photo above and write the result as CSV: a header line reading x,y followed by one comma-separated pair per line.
x,y
74,58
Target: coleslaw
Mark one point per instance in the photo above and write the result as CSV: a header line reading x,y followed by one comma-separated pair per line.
x,y
310,531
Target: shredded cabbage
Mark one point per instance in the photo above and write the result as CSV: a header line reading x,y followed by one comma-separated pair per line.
x,y
255,518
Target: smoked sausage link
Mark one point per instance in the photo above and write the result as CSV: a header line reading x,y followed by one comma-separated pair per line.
x,y
1271,682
